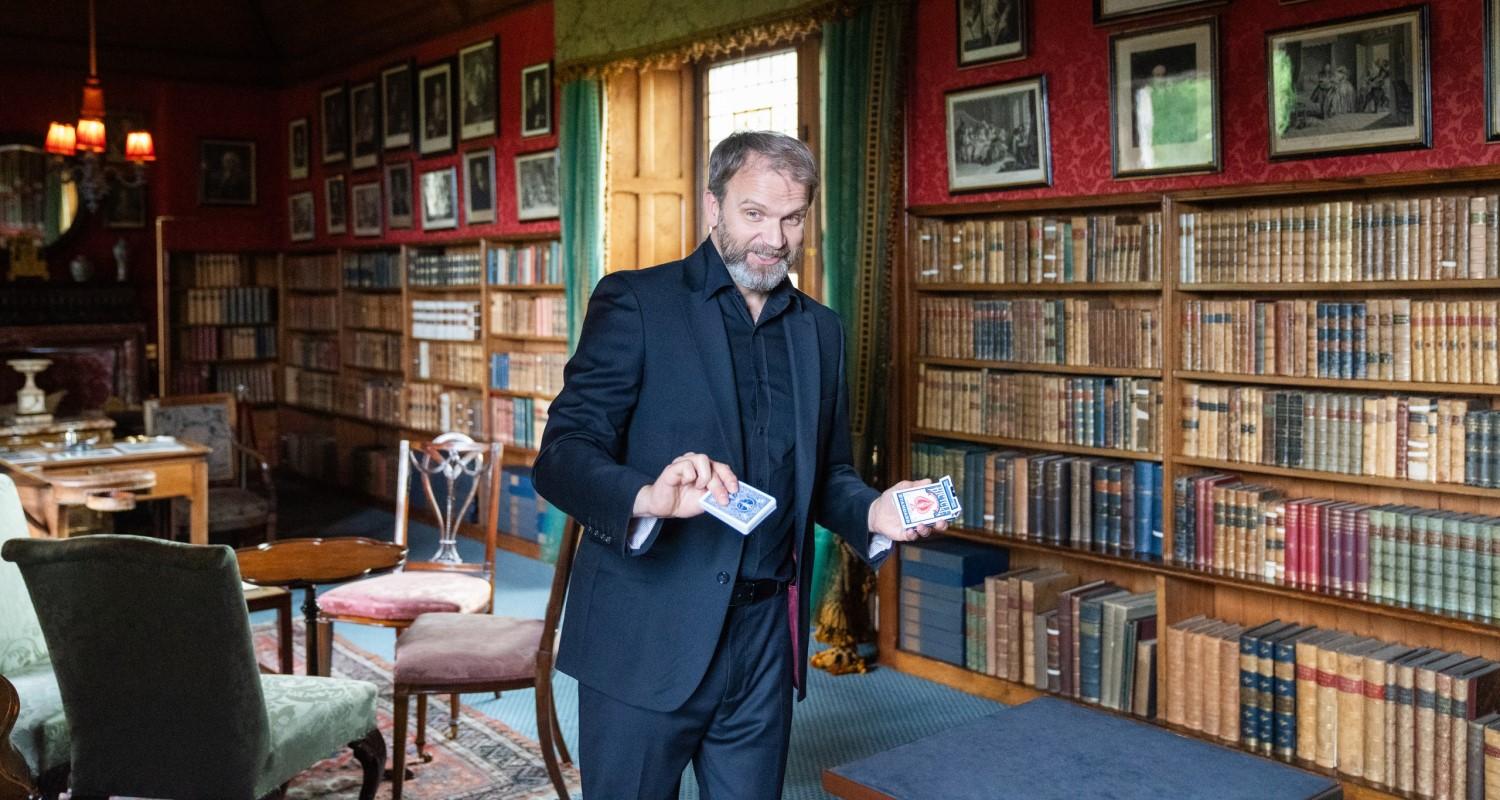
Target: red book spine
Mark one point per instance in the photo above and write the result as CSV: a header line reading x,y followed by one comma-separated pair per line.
x,y
1312,525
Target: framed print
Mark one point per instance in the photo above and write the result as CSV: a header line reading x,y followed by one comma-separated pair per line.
x,y
997,136
364,103
296,148
479,186
1164,100
440,199
395,110
435,108
536,100
1351,85
300,216
335,106
226,173
537,196
1491,69
991,30
333,200
366,200
398,195
125,206
478,89
1111,10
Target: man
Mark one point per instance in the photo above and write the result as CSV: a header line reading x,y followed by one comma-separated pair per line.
x,y
686,637
479,185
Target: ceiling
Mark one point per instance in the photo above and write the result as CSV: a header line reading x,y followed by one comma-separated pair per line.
x,y
238,41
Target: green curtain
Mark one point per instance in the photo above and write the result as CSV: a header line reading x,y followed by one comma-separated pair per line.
x,y
581,146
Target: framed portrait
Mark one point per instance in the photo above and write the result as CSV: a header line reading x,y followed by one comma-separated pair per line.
x,y
997,136
398,195
1351,85
366,200
537,195
300,216
364,108
226,172
479,186
1164,100
1491,69
296,148
335,107
536,100
125,207
479,89
435,108
440,199
396,108
334,198
1111,10
991,30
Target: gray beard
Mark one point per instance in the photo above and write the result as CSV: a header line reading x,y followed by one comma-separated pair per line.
x,y
755,279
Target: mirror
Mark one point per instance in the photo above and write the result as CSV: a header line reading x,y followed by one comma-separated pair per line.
x,y
33,200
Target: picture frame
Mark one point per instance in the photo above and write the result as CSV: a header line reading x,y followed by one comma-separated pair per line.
x,y
479,89
297,148
1106,11
1353,85
301,216
537,194
440,199
398,194
479,186
335,201
1492,70
365,198
125,206
364,125
226,172
334,106
397,89
435,128
536,99
1164,100
991,31
998,136
118,124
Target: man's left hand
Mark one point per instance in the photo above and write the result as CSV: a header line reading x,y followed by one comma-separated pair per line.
x,y
885,518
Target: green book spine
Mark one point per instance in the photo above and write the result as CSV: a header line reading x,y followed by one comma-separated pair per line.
x,y
1378,561
1484,566
974,633
1419,571
1401,562
1444,563
1468,568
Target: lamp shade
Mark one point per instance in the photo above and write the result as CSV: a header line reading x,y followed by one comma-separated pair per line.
x,y
91,135
62,139
138,146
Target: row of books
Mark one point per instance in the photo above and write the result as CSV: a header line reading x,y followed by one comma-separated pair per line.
x,y
935,577
311,389
527,315
1096,248
254,383
528,372
313,352
450,362
375,399
450,320
372,269
1419,438
457,266
311,454
1442,237
374,469
317,271
211,344
1092,503
372,350
381,311
522,265
523,513
224,270
1072,331
249,305
316,312
1397,339
1116,413
1403,555
432,407
518,421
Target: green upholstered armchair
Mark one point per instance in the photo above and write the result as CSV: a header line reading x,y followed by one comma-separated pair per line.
x,y
150,641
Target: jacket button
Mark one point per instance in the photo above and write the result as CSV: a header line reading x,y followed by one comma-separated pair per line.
x,y
723,577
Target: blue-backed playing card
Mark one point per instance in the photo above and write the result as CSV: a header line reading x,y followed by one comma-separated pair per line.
x,y
747,508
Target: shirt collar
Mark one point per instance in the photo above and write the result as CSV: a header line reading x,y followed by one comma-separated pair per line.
x,y
718,279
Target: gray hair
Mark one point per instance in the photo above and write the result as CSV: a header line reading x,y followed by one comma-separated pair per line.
x,y
784,154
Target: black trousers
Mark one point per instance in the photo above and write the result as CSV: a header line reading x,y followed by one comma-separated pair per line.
x,y
734,728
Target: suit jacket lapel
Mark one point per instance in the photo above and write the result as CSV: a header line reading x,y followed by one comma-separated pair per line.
x,y
802,338
706,325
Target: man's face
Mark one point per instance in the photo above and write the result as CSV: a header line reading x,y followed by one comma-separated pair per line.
x,y
758,227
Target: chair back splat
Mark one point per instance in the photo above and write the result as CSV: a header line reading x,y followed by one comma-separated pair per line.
x,y
452,470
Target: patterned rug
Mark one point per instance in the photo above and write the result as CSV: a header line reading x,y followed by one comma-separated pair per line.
x,y
488,761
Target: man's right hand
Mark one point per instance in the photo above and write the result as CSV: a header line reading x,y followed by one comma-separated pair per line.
x,y
677,490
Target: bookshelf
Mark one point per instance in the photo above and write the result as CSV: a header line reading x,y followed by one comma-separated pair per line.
x,y
1400,276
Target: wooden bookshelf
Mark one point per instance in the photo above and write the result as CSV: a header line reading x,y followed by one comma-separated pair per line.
x,y
1028,444
1041,288
1341,384
1021,366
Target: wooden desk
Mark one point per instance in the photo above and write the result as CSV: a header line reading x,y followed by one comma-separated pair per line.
x,y
180,472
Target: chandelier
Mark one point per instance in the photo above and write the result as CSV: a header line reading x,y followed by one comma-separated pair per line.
x,y
78,150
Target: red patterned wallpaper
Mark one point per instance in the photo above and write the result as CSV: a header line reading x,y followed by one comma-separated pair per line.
x,y
1074,55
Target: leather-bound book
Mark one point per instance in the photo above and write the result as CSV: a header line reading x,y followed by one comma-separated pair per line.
x,y
1350,740
1283,734
1475,693
1228,691
1425,685
1194,677
1250,680
1067,639
1375,665
1143,695
1051,661
1326,748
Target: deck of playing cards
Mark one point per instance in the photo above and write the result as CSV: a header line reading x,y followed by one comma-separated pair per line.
x,y
924,505
747,508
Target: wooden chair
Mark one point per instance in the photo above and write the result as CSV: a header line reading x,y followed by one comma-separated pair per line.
x,y
236,503
454,653
15,777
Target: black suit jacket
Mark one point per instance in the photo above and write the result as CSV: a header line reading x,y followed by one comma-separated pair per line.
x,y
651,380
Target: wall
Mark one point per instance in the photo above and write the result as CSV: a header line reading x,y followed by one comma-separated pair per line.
x,y
1074,56
525,39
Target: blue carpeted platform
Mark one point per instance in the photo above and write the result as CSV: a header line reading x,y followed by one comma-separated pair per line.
x,y
1050,749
